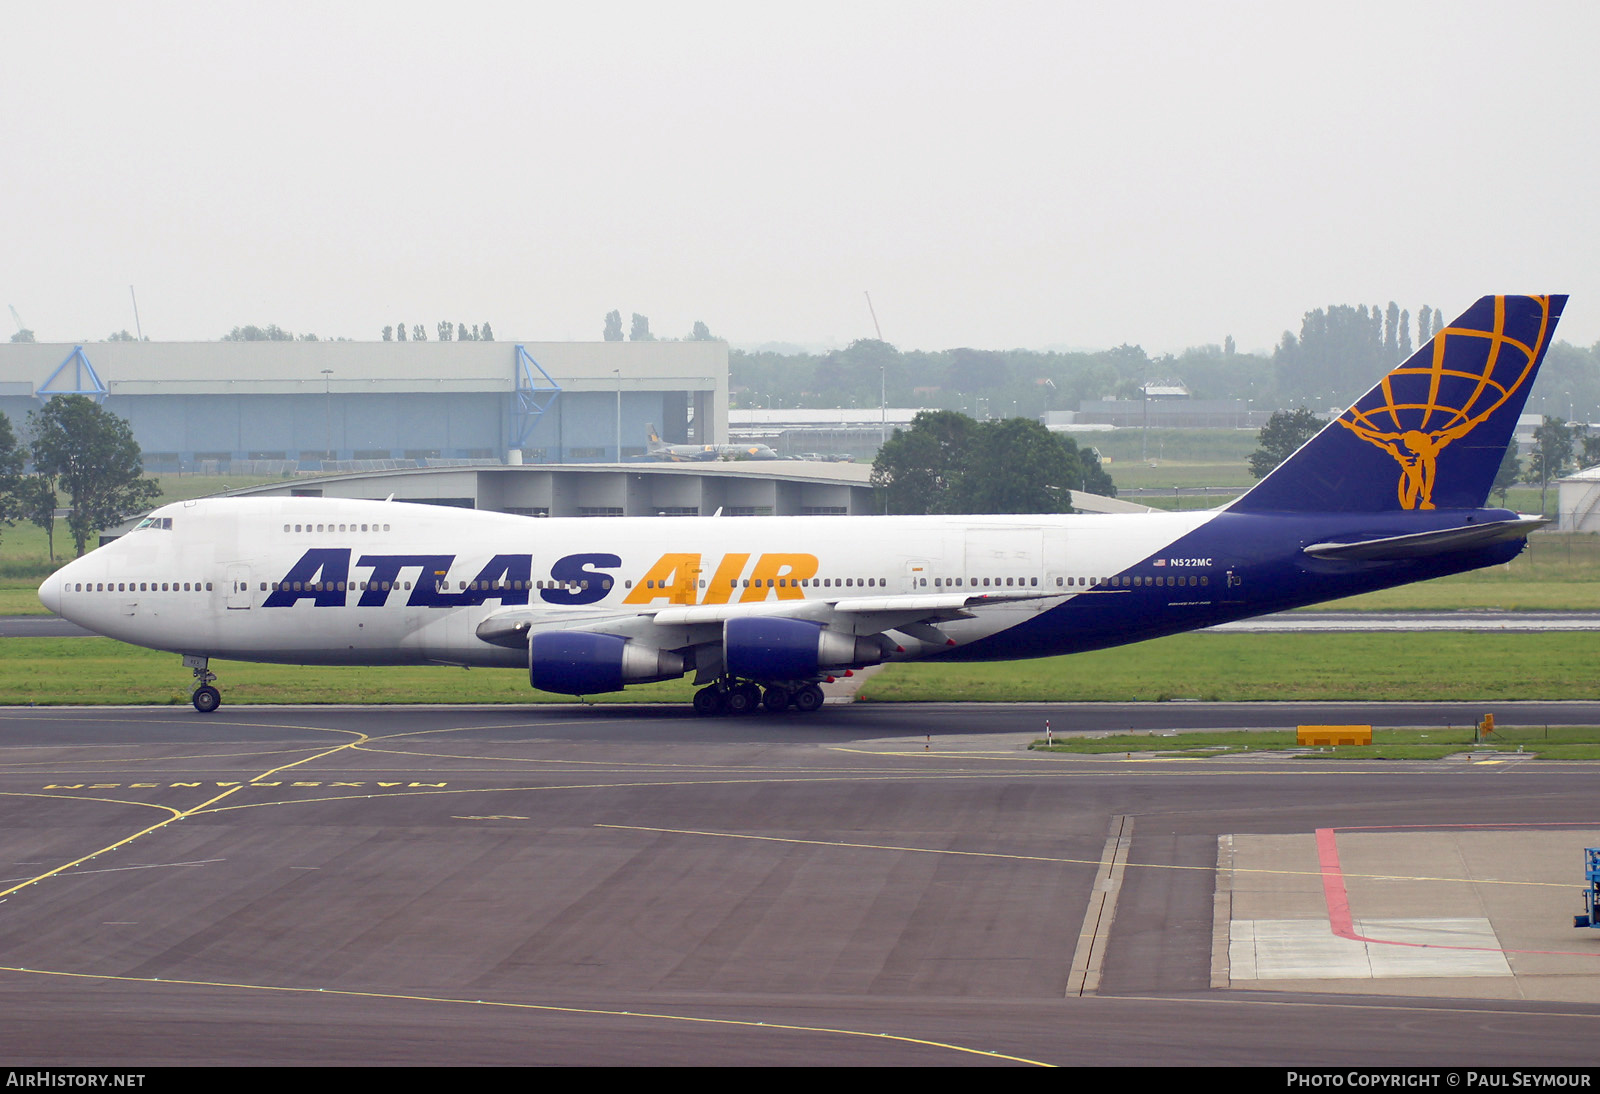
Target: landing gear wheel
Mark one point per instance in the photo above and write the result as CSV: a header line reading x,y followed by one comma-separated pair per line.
x,y
207,699
708,702
776,700
743,698
808,699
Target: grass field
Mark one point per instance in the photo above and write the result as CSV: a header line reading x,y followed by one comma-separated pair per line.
x,y
100,671
1221,667
1477,667
1546,742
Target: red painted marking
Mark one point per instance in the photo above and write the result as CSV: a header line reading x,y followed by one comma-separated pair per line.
x,y
1333,890
1342,923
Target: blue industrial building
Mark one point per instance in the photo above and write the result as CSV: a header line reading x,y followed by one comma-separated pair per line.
x,y
346,405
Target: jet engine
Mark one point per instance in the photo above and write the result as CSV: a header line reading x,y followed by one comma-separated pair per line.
x,y
587,663
769,648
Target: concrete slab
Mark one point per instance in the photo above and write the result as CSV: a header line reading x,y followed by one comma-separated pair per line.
x,y
1306,949
1450,911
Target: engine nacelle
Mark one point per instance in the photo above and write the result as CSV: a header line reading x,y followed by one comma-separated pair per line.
x,y
586,663
770,648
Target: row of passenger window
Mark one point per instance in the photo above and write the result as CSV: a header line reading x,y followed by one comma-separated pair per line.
x,y
781,583
1122,580
477,586
336,527
140,587
1140,581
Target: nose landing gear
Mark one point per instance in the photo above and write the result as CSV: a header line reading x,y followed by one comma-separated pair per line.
x,y
205,698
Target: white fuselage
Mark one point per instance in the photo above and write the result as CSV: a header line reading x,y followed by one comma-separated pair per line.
x,y
328,581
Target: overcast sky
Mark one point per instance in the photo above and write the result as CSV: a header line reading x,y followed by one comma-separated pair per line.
x,y
996,175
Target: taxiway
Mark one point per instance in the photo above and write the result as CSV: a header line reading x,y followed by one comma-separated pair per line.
x,y
869,885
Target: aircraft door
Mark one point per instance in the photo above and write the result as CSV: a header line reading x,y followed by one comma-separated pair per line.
x,y
917,574
238,586
1004,555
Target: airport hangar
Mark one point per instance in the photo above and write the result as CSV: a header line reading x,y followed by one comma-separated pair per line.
x,y
362,407
266,407
732,488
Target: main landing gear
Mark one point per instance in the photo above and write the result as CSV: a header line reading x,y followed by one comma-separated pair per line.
x,y
746,697
205,698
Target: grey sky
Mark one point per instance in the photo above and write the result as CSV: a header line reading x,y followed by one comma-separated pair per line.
x,y
995,174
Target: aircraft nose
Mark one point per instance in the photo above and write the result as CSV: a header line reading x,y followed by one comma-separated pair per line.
x,y
50,592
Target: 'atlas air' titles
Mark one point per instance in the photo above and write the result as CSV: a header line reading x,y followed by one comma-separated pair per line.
x,y
322,576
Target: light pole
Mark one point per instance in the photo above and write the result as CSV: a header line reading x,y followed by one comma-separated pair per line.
x,y
883,403
327,411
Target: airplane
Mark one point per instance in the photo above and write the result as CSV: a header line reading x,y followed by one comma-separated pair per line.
x,y
695,453
763,609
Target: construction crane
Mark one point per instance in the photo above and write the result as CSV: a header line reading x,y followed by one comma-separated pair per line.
x,y
22,328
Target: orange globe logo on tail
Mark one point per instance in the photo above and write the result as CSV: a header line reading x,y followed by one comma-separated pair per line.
x,y
1436,398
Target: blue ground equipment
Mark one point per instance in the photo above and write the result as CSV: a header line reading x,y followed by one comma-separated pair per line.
x,y
1591,887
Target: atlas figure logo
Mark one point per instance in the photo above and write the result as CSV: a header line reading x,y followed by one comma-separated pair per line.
x,y
1425,405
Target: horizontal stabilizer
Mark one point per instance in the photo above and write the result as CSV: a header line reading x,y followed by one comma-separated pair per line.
x,y
1466,537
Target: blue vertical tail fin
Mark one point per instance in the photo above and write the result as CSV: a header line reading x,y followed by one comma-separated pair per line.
x,y
1433,432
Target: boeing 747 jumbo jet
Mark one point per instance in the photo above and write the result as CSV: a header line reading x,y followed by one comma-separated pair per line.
x,y
762,609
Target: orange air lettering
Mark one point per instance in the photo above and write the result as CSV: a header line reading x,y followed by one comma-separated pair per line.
x,y
769,568
674,578
720,591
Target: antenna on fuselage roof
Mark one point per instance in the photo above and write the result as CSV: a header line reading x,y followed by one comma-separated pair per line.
x,y
718,513
390,497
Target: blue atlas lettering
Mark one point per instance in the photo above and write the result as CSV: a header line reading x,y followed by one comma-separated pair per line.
x,y
319,576
579,584
386,575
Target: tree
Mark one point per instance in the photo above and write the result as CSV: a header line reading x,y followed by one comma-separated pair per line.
x,y
36,503
917,467
949,463
419,333
121,336
1092,475
701,333
1508,474
269,333
400,333
23,335
388,334
1553,446
641,329
92,454
446,330
1284,432
1591,446
486,334
11,481
613,326
1015,465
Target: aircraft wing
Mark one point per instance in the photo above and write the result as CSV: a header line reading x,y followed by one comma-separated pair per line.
x,y
1423,544
675,626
